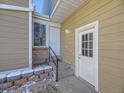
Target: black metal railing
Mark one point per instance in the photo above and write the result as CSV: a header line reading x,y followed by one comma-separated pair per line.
x,y
55,59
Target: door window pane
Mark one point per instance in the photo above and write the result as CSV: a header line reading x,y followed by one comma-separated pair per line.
x,y
86,52
90,45
83,45
82,38
86,37
91,36
90,53
82,52
87,45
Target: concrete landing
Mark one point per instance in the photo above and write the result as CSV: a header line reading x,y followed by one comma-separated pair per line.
x,y
74,85
67,85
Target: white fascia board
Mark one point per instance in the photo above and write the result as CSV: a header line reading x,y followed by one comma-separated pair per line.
x,y
17,8
41,16
53,24
54,9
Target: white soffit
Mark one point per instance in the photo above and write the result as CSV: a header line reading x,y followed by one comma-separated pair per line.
x,y
65,9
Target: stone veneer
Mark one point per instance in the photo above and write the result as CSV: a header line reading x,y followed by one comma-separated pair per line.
x,y
16,78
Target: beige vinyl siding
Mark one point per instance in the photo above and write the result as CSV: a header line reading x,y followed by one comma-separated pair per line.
x,y
22,3
14,39
110,14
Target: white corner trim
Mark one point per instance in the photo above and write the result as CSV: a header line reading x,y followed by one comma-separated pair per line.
x,y
54,9
13,7
30,35
30,39
96,26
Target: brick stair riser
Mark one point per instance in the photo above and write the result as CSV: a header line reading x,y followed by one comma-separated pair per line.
x,y
2,80
20,82
48,70
38,72
6,85
11,83
27,75
32,78
10,79
44,75
16,81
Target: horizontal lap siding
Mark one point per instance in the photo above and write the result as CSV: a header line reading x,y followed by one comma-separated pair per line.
x,y
14,39
22,3
110,14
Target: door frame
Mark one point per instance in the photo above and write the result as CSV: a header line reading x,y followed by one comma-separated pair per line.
x,y
77,31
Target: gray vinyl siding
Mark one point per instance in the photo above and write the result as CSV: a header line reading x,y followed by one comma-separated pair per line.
x,y
22,3
14,39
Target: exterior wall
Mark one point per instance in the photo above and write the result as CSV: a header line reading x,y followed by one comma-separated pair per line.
x,y
22,3
14,39
110,14
39,55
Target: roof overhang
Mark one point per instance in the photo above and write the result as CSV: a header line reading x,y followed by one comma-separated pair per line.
x,y
64,8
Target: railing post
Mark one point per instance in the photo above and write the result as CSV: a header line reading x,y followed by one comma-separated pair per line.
x,y
57,71
49,54
56,63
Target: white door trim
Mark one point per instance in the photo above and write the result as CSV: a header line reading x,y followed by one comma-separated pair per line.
x,y
96,26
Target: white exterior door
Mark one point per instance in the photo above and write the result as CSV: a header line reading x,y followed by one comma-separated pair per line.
x,y
55,39
86,55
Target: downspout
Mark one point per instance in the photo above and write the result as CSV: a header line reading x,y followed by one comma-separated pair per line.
x,y
30,34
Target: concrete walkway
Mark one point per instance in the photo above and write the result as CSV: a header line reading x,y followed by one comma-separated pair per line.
x,y
67,85
74,85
